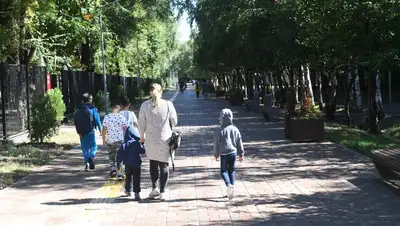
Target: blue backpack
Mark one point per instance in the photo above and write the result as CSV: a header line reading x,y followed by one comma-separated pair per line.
x,y
84,121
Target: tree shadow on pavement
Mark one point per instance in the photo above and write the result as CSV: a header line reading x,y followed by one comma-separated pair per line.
x,y
92,201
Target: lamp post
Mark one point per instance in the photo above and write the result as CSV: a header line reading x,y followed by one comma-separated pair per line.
x,y
140,79
103,57
104,66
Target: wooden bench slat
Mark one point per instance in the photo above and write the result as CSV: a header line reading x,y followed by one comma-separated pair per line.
x,y
392,155
393,165
383,159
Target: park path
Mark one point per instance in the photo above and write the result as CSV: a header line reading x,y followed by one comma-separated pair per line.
x,y
279,183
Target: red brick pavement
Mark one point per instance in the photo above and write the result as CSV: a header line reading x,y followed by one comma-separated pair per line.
x,y
278,184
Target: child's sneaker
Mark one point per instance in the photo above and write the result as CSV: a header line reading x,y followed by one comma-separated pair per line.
x,y
137,196
91,163
154,193
113,173
128,193
120,176
86,167
230,192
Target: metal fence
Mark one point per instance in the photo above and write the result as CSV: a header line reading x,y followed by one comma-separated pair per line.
x,y
20,86
74,84
18,89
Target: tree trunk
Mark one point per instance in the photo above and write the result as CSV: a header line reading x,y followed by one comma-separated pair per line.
x,y
348,84
357,91
308,84
281,89
272,82
380,112
330,105
372,104
249,85
85,54
321,99
301,89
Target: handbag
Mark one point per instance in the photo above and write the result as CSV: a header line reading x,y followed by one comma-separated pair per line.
x,y
174,141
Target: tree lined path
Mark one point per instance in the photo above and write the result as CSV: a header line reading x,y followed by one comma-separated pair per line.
x,y
279,183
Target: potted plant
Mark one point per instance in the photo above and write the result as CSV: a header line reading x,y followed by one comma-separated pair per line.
x,y
219,92
304,124
235,97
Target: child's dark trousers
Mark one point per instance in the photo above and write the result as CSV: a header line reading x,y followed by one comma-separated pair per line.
x,y
132,177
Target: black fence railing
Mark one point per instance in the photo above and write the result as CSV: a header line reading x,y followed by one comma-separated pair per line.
x,y
75,83
18,88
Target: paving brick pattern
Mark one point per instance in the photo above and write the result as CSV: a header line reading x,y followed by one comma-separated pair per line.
x,y
279,183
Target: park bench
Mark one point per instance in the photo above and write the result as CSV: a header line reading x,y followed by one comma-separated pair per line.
x,y
387,162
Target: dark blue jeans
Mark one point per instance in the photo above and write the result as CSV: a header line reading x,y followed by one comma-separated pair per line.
x,y
228,165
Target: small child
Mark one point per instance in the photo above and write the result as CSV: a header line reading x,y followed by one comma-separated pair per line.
x,y
114,128
129,154
228,144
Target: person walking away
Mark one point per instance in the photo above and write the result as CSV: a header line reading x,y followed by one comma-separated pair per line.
x,y
198,89
130,116
129,153
157,117
206,90
87,119
114,127
182,85
227,146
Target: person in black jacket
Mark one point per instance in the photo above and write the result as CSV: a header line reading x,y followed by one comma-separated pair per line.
x,y
129,153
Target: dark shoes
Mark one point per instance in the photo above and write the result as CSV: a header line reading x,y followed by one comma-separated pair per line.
x,y
91,163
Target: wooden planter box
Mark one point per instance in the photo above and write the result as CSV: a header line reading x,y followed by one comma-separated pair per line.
x,y
219,93
234,98
302,130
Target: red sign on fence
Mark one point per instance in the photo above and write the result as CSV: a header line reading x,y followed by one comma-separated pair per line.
x,y
48,78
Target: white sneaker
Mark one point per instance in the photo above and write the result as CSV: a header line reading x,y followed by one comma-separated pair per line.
x,y
154,193
230,192
163,197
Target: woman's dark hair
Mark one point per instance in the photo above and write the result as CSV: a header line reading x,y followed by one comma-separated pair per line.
x,y
125,101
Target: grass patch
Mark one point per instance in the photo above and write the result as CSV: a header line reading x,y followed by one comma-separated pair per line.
x,y
357,139
18,161
394,131
67,137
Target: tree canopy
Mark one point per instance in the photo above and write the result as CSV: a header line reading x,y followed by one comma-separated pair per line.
x,y
66,33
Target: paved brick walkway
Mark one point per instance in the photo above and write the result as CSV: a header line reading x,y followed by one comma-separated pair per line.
x,y
278,184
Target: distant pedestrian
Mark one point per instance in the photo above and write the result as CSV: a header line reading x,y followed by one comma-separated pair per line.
x,y
114,128
129,153
206,89
228,145
87,119
198,89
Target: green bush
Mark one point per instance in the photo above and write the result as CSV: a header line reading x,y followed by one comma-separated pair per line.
x,y
116,92
47,114
98,101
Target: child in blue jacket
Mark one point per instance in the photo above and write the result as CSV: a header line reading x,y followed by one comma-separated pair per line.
x,y
129,153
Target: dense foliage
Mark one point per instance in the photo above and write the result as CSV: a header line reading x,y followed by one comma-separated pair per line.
x,y
290,44
140,36
47,114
